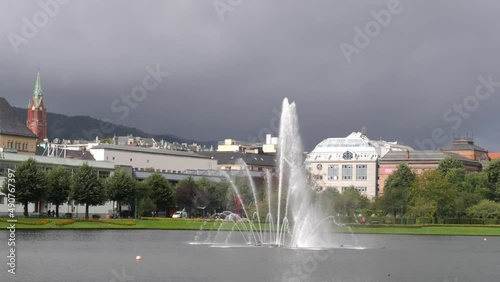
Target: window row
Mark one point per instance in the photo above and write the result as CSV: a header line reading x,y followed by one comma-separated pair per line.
x,y
20,146
361,172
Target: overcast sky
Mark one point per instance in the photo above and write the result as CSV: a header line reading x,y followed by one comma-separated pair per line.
x,y
231,62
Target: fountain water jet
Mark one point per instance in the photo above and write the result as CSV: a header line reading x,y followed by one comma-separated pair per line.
x,y
301,220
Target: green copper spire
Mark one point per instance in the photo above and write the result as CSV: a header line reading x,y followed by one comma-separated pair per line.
x,y
37,92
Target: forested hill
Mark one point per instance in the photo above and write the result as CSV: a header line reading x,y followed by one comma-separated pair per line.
x,y
85,127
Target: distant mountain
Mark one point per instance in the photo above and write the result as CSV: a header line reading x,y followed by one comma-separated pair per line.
x,y
85,127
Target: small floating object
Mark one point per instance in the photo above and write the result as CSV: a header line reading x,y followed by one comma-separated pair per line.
x,y
485,239
383,248
341,245
138,258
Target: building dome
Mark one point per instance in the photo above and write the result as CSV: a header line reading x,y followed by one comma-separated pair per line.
x,y
354,146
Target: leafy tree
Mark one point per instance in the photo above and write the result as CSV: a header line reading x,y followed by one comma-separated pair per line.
x,y
87,188
122,188
432,187
493,171
423,208
160,189
190,196
472,190
485,209
58,186
449,163
349,201
29,184
396,189
456,177
217,192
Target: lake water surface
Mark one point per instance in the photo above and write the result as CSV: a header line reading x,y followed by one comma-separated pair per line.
x,y
102,256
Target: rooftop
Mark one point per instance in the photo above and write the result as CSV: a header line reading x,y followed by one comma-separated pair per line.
x,y
10,124
250,159
56,161
423,156
464,144
148,150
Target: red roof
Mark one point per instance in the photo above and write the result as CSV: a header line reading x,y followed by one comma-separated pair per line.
x,y
494,155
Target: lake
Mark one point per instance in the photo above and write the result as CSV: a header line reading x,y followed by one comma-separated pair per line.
x,y
110,255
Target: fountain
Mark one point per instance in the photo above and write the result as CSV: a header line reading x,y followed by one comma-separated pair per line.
x,y
296,218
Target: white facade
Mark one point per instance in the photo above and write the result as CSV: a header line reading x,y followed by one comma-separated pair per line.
x,y
9,161
146,159
350,161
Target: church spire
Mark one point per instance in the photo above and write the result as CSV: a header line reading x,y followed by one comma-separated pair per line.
x,y
37,92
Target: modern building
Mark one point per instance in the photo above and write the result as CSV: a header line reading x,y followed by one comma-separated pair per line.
x,y
230,161
14,135
349,161
147,159
11,160
420,161
231,145
37,114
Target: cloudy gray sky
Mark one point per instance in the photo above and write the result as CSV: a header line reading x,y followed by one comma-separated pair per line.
x,y
231,62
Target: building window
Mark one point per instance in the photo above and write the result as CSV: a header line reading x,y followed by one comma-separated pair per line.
x,y
113,158
130,159
2,199
333,172
228,168
103,174
360,172
346,172
361,189
259,169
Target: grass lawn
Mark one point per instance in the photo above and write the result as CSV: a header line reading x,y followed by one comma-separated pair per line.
x,y
197,224
426,230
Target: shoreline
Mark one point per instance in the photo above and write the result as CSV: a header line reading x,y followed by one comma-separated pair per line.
x,y
166,224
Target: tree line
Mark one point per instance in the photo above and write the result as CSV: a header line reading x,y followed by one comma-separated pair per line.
x,y
59,185
445,192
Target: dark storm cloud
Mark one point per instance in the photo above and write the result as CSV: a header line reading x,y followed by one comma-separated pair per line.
x,y
226,77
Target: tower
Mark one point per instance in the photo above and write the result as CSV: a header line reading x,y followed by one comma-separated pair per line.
x,y
37,114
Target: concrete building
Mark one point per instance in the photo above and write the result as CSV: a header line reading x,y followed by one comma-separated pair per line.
x,y
231,145
147,159
230,161
10,161
350,161
419,161
14,135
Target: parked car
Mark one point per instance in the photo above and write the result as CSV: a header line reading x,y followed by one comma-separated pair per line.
x,y
179,214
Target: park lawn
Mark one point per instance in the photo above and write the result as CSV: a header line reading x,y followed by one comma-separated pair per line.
x,y
165,223
199,224
425,230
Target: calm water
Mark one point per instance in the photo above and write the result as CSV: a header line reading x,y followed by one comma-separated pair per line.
x,y
102,256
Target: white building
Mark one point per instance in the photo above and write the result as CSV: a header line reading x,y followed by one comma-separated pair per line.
x,y
10,161
147,159
350,161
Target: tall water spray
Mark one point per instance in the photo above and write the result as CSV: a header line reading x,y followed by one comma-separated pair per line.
x,y
303,214
299,220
